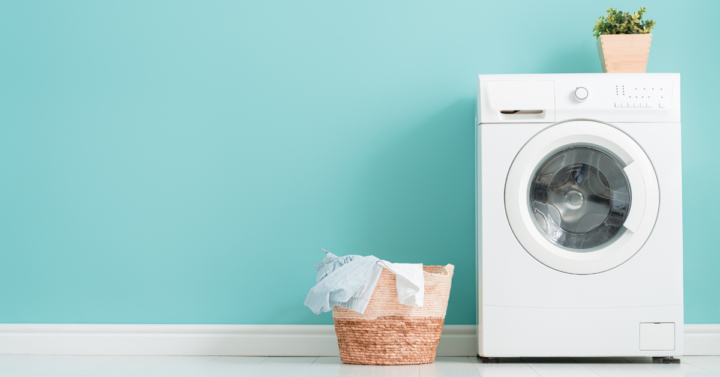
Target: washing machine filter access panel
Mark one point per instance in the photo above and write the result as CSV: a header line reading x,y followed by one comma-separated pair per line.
x,y
657,337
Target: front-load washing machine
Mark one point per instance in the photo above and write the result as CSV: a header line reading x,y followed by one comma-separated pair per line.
x,y
579,215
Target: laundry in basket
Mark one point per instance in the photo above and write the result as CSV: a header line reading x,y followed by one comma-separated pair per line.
x,y
401,318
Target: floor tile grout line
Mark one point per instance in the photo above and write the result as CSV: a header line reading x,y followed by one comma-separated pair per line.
x,y
254,366
308,366
638,365
588,369
690,363
475,366
700,367
471,359
634,364
531,368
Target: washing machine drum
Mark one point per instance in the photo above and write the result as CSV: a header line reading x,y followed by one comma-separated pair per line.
x,y
582,197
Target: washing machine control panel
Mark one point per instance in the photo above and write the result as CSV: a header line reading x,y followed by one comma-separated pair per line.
x,y
608,97
619,97
631,99
650,94
642,94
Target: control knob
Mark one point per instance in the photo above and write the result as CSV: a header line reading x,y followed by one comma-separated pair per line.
x,y
581,94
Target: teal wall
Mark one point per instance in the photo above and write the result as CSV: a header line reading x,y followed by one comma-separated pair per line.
x,y
184,162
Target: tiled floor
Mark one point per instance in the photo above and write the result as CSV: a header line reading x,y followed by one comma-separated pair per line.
x,y
211,366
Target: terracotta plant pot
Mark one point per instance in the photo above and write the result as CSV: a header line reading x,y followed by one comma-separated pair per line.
x,y
624,52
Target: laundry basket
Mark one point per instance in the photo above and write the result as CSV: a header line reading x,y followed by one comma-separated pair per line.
x,y
390,333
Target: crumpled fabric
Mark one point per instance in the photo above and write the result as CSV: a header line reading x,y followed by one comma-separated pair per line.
x,y
410,282
350,281
339,279
360,300
330,263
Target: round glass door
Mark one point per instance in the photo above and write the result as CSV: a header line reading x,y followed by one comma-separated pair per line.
x,y
580,198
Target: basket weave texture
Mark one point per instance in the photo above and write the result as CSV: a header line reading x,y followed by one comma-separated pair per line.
x,y
390,333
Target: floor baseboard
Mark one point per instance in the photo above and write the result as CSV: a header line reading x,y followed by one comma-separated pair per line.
x,y
702,340
239,340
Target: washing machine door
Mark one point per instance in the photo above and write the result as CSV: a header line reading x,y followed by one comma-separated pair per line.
x,y
582,197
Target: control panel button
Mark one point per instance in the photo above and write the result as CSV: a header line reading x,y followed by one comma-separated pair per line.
x,y
581,94
661,105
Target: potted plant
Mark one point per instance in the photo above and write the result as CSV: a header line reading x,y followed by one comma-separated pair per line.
x,y
623,41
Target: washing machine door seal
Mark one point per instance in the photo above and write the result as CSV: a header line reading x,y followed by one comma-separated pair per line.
x,y
549,179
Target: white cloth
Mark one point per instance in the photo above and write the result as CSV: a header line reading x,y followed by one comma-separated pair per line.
x,y
410,282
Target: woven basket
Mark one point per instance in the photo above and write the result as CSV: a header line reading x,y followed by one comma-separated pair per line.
x,y
390,333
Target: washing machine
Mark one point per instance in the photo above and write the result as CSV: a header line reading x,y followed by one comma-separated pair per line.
x,y
579,215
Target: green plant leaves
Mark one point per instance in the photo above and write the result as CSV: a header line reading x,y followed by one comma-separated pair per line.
x,y
619,22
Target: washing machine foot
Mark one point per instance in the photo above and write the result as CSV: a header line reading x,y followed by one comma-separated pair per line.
x,y
488,360
666,360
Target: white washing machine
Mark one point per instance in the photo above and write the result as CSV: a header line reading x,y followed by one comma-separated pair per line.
x,y
579,215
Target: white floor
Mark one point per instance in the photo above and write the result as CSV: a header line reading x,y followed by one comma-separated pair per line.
x,y
211,366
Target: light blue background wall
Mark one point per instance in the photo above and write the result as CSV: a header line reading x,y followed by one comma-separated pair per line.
x,y
184,162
